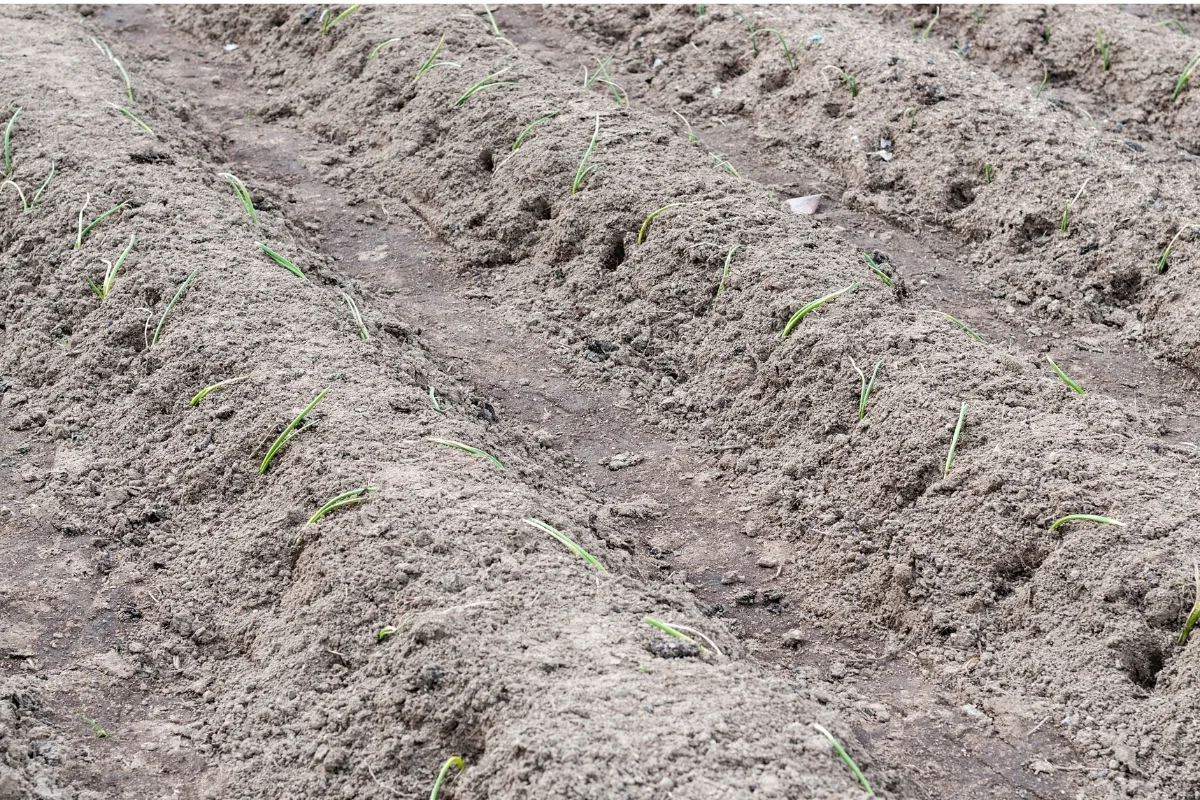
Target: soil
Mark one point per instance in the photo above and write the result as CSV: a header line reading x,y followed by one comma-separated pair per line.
x,y
829,566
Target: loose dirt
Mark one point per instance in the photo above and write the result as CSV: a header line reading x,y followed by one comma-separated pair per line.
x,y
157,584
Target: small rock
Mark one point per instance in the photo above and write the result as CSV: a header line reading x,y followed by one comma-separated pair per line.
x,y
793,639
137,647
453,583
230,47
837,670
768,562
623,460
733,577
1040,767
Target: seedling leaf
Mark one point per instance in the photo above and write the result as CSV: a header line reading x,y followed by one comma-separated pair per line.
x,y
841,751
38,194
328,21
21,194
133,117
645,225
200,395
362,326
95,726
466,448
1162,259
110,275
1185,76
1075,386
1085,518
883,276
429,63
749,27
528,128
962,416
344,499
243,194
489,82
1194,616
864,393
8,141
83,231
289,433
568,542
584,167
282,261
813,306
377,48
961,324
178,294
787,51
452,761
725,271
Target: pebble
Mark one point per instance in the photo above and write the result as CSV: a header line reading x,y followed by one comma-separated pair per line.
x,y
768,562
137,647
837,670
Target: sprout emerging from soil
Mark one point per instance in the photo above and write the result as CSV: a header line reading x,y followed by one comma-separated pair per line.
x,y
433,400
674,630
1183,78
787,51
848,79
1105,46
341,501
584,167
8,141
452,761
1085,518
358,320
1042,85
602,70
929,28
1058,371
646,225
1194,616
290,432
687,126
379,47
200,395
568,542
1162,260
21,194
987,173
725,165
864,393
1066,217
489,82
1171,23
243,195
429,63
281,260
961,324
841,751
109,55
84,230
95,726
883,276
492,20
528,128
110,275
466,448
328,20
725,271
178,294
133,117
962,417
38,194
385,632
749,27
813,306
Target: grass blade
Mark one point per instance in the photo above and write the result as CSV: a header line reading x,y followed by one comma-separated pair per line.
x,y
110,275
1162,259
491,19
377,48
687,127
1184,76
1066,217
344,499
1086,518
521,136
1042,85
328,21
883,276
282,261
125,75
38,194
452,761
466,448
649,219
83,231
962,416
749,27
787,51
813,306
725,165
429,62
864,393
200,395
725,272
243,194
178,294
8,141
24,205
289,433
584,167
489,82
362,326
841,751
102,47
1193,617
960,324
1064,377
568,542
133,117
670,630
433,400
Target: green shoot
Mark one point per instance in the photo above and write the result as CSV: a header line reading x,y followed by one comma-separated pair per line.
x,y
385,632
133,117
243,195
929,28
1162,260
344,499
328,21
85,230
528,128
1066,217
289,433
492,20
962,416
1046,34
433,400
125,75
429,63
813,306
1086,518
671,631
602,69
1180,82
749,27
725,165
466,448
281,260
1042,85
864,392
961,324
102,47
649,219
584,167
95,726
200,395
1105,46
38,194
980,14
849,762
1171,23
847,78
1193,617
687,126
1075,386
883,276
701,9
987,173
178,294
452,761
362,326
725,272
110,275
489,82
568,542
8,141
384,44
787,51
24,205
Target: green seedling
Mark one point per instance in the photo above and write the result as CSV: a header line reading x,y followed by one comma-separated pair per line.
x,y
489,82
929,28
529,128
466,448
646,225
987,173
385,632
1042,86
379,47
110,275
568,542
243,195
1180,82
85,230
200,395
452,761
38,194
602,69
133,117
1066,217
671,631
21,194
725,165
725,271
962,417
1105,46
429,63
1162,260
103,48
847,79
433,401
1046,32
787,51
328,20
178,294
290,432
95,726
492,20
813,306
584,167
1171,23
701,9
8,141
849,762
1194,616
971,331
1075,386
980,14
864,392
749,27
687,127
281,260
358,320
883,276
341,501
1086,518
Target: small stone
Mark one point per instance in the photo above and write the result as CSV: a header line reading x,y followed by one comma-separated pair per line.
x,y
793,639
768,562
837,670
137,647
623,460
453,583
732,577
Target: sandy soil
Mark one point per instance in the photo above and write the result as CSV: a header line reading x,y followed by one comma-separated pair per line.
x,y
157,583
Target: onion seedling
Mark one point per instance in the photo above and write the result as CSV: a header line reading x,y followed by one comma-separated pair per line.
x,y
864,392
290,432
687,127
110,275
1185,76
178,294
466,448
492,20
849,762
8,141
529,128
21,194
362,326
614,89
282,261
341,501
787,51
883,276
962,417
95,726
429,63
987,172
649,219
377,48
452,761
1194,616
725,271
328,20
433,401
847,78
133,117
749,27
1042,85
1066,217
584,167
243,194
38,194
1086,518
1105,46
104,48
84,230
1162,260
929,28
200,395
568,542
489,82
725,165
813,306
1171,23
1058,371
385,632
961,324
674,630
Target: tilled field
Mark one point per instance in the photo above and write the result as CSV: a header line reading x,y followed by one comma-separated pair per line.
x,y
825,560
